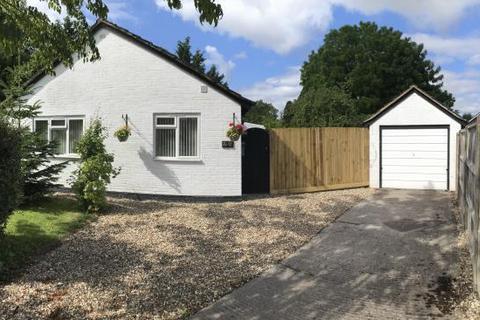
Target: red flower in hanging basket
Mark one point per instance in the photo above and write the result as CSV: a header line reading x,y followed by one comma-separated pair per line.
x,y
230,124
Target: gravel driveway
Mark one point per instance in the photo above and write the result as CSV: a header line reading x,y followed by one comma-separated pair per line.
x,y
163,259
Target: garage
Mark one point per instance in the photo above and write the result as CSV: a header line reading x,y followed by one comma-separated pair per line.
x,y
414,157
413,143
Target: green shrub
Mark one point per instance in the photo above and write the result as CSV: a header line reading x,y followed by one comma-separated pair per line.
x,y
96,169
10,171
39,175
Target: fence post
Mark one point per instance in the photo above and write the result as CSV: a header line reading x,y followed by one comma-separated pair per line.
x,y
476,213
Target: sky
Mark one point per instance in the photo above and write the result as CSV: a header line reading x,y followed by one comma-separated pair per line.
x,y
260,45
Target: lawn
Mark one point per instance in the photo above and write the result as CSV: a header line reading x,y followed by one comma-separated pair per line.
x,y
35,229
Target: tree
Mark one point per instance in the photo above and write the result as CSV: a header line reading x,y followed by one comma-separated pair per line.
x,y
197,61
96,170
325,107
371,65
184,51
39,175
263,113
287,114
10,172
216,76
467,116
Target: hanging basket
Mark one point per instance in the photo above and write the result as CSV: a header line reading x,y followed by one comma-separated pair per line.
x,y
235,131
123,133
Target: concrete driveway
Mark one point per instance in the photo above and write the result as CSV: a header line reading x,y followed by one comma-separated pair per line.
x,y
389,257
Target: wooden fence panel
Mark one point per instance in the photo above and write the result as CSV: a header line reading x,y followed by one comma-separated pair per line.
x,y
313,159
468,191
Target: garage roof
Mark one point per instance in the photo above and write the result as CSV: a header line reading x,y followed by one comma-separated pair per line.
x,y
406,94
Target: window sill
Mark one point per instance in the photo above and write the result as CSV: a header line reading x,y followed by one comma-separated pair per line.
x,y
177,159
66,157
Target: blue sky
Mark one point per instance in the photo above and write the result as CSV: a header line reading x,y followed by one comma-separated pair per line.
x,y
260,44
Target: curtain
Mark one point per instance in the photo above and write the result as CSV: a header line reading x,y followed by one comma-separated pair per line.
x,y
41,127
188,137
165,143
60,137
75,130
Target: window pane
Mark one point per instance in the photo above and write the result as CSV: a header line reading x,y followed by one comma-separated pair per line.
x,y
165,143
41,127
75,130
58,123
188,137
165,121
60,137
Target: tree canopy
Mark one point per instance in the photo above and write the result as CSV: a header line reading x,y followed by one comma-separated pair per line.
x,y
263,113
197,61
359,69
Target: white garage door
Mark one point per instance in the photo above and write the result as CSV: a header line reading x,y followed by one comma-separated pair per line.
x,y
414,158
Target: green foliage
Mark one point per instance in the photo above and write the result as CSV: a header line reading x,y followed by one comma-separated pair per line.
x,y
38,173
197,61
287,114
10,171
210,11
467,116
122,133
371,65
184,51
26,28
324,107
216,76
263,113
96,169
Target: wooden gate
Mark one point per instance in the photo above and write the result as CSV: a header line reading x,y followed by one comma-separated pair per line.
x,y
314,159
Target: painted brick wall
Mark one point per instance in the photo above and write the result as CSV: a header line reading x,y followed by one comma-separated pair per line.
x,y
129,79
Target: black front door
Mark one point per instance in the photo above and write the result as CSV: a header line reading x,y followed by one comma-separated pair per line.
x,y
255,161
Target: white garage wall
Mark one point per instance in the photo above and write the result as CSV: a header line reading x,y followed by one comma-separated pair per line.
x,y
130,80
414,110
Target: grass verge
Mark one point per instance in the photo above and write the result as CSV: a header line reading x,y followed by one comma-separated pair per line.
x,y
35,229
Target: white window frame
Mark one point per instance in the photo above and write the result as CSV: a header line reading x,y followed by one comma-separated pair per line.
x,y
175,126
66,126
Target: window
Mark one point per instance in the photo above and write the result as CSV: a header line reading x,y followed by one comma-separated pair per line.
x,y
177,136
64,131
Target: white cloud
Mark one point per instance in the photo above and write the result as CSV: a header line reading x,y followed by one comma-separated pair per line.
x,y
276,90
448,49
465,87
435,14
213,56
282,25
277,24
119,10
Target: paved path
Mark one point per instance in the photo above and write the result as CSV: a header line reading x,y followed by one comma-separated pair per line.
x,y
383,259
